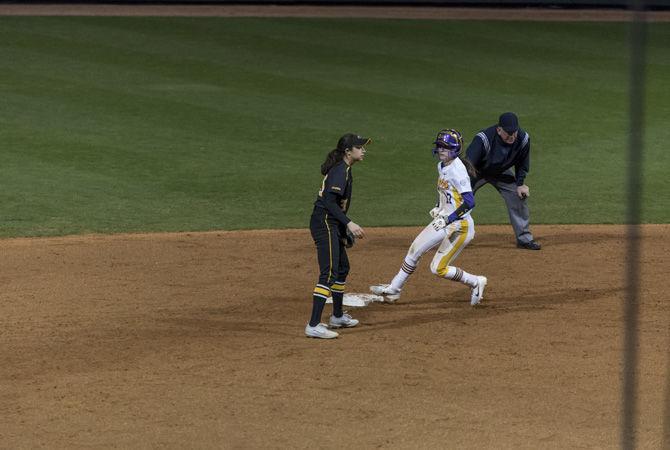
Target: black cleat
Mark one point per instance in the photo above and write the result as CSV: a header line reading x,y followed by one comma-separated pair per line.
x,y
532,245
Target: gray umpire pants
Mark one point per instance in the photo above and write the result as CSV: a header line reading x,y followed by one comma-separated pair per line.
x,y
517,208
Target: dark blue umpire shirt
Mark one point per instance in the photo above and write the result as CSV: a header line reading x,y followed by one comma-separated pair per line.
x,y
491,156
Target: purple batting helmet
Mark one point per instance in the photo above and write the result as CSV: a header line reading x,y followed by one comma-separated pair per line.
x,y
451,140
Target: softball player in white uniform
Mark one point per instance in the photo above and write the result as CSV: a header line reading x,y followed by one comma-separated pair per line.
x,y
452,228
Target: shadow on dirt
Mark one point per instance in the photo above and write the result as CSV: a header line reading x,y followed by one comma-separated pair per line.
x,y
219,321
459,311
548,241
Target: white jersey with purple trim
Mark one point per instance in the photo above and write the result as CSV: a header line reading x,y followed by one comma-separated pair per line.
x,y
452,182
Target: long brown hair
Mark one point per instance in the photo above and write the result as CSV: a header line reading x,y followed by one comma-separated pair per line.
x,y
337,154
468,166
333,157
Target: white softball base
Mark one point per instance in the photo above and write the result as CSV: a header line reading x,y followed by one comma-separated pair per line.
x,y
358,300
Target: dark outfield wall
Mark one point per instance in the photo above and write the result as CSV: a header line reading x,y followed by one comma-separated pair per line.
x,y
618,4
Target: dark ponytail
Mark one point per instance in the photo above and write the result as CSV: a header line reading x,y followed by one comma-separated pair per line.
x,y
332,158
346,142
337,154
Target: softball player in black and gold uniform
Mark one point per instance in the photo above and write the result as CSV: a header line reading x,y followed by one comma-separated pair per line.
x,y
329,225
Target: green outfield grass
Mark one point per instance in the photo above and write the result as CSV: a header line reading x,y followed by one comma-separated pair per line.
x,y
172,124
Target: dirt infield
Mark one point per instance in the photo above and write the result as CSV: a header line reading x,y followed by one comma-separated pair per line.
x,y
195,340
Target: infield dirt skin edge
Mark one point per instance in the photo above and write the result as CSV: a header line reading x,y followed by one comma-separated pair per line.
x,y
175,340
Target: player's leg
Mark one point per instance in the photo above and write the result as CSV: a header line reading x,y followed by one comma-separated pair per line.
x,y
339,282
340,319
327,248
517,208
462,232
426,240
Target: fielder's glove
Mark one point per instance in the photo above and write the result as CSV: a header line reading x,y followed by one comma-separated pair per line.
x,y
435,212
439,223
349,239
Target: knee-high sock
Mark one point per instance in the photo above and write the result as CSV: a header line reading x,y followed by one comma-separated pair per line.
x,y
456,274
337,290
405,271
319,297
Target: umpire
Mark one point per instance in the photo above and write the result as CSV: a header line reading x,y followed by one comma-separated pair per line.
x,y
501,155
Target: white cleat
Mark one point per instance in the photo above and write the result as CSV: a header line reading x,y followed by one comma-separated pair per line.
x,y
346,321
389,293
478,291
320,331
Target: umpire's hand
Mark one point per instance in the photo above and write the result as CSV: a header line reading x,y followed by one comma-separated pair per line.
x,y
523,191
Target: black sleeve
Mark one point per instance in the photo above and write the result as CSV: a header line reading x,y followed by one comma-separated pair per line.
x,y
336,181
330,200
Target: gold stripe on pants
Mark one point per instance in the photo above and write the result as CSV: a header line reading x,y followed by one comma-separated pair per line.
x,y
442,267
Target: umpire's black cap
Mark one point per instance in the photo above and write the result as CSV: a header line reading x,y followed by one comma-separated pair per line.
x,y
509,122
351,140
